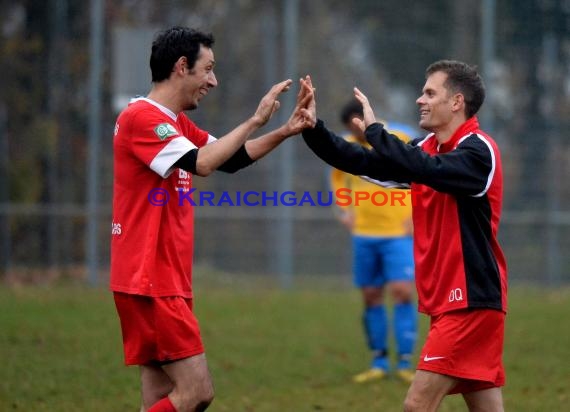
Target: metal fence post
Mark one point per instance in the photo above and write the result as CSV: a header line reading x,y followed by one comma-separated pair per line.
x,y
95,87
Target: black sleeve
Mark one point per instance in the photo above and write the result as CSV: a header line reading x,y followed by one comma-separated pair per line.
x,y
351,157
239,160
463,171
188,161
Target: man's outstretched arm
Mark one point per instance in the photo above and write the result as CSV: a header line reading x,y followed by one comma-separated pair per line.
x,y
337,152
254,149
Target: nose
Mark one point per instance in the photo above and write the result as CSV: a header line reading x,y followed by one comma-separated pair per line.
x,y
420,100
212,81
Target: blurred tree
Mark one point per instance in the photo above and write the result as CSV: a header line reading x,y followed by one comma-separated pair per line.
x,y
381,46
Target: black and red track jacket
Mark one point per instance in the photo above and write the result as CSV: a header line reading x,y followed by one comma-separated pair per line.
x,y
457,196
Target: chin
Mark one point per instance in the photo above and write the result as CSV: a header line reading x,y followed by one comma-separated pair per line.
x,y
424,123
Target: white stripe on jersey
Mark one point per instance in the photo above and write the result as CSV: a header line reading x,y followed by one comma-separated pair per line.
x,y
493,162
425,139
389,184
211,139
170,154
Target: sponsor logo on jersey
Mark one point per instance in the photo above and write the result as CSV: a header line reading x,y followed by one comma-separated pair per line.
x,y
165,130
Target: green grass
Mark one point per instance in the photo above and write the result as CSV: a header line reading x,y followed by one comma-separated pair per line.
x,y
268,350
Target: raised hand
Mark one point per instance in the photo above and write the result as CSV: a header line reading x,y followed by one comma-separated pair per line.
x,y
301,117
310,111
369,117
306,103
269,103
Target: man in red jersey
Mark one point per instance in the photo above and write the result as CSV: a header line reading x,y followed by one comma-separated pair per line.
x,y
157,149
456,180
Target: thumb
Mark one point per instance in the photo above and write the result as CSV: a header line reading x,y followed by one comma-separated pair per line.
x,y
359,123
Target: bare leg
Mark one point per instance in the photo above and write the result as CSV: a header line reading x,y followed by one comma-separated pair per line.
x,y
487,400
186,382
402,291
193,390
427,391
155,385
373,296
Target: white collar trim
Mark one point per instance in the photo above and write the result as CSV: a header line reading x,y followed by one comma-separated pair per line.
x,y
163,109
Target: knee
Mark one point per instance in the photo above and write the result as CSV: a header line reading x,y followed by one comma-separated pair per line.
x,y
421,402
372,296
196,400
205,399
203,404
402,293
411,405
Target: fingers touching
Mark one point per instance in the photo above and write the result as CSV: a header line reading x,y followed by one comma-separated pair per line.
x,y
305,113
307,103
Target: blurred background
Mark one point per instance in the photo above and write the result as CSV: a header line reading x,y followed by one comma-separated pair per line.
x,y
69,66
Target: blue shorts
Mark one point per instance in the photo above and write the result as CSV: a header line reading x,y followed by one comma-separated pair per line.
x,y
377,261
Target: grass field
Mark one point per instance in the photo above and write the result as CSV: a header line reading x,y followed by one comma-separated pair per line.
x,y
268,350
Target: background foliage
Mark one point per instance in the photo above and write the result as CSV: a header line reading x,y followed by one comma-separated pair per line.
x,y
383,47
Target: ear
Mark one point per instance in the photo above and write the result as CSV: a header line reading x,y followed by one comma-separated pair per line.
x,y
181,65
458,102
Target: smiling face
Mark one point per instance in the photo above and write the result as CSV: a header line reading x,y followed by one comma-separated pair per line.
x,y
200,79
437,104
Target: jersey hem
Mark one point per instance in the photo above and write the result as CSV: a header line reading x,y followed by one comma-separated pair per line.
x,y
457,374
198,350
160,294
441,312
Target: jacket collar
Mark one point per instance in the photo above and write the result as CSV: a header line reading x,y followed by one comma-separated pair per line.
x,y
470,126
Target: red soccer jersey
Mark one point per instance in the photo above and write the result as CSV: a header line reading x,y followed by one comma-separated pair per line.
x,y
460,263
152,233
457,198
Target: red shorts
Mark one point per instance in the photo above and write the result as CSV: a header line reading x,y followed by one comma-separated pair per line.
x,y
157,329
466,344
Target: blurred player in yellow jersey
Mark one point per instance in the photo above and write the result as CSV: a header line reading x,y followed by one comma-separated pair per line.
x,y
382,260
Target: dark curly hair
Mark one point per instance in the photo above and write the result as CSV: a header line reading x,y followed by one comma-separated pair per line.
x,y
171,44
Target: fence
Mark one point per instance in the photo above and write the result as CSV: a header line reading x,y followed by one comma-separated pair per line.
x,y
44,209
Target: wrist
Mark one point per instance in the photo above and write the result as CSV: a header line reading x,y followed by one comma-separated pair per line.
x,y
284,131
255,121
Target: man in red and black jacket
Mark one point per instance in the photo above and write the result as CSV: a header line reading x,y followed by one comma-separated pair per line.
x,y
456,180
